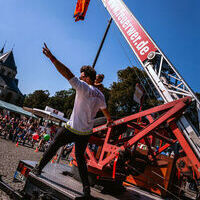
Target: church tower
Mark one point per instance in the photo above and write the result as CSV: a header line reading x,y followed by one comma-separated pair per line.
x,y
9,90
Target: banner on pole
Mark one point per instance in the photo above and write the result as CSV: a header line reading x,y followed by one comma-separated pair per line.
x,y
135,35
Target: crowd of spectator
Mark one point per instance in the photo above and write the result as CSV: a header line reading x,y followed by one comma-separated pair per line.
x,y
27,131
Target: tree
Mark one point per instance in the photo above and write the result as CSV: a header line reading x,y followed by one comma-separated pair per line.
x,y
121,101
37,99
63,101
119,96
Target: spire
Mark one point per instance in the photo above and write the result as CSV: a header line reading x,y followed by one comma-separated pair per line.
x,y
2,50
13,47
7,59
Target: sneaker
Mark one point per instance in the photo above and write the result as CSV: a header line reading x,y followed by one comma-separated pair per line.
x,y
86,190
36,170
86,194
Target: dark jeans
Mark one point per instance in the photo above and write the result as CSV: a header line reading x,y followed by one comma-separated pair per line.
x,y
63,137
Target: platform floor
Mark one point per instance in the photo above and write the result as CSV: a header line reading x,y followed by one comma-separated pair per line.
x,y
53,178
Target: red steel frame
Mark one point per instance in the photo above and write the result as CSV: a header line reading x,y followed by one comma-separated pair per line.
x,y
168,114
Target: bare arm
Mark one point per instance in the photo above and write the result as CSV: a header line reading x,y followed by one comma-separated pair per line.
x,y
65,71
108,117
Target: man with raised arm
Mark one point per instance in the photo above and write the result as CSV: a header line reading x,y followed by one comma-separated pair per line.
x,y
78,129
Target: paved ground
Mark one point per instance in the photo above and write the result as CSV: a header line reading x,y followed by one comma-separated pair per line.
x,y
9,158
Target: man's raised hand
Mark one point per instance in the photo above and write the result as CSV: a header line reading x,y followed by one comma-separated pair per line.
x,y
48,53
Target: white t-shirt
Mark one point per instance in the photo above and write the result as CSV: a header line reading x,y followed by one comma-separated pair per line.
x,y
87,103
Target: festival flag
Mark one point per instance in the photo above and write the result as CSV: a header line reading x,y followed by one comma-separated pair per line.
x,y
81,9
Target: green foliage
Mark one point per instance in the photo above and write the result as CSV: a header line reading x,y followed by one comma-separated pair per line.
x,y
121,101
106,93
37,99
119,96
63,101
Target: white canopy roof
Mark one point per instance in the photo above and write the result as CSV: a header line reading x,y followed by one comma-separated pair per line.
x,y
49,115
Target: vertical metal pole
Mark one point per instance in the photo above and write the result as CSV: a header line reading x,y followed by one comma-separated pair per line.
x,y
102,42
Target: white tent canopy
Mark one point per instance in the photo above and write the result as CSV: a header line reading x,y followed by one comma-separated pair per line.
x,y
15,109
49,115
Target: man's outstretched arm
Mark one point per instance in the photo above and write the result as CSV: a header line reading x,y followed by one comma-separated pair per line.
x,y
108,117
59,66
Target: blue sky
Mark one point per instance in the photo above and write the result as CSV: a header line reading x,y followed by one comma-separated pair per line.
x,y
26,24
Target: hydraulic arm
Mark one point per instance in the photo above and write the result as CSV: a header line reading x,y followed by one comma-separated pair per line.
x,y
168,82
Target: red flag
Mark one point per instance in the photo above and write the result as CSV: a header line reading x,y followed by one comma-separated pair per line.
x,y
81,9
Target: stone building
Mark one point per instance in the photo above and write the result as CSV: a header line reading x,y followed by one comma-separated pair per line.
x,y
9,90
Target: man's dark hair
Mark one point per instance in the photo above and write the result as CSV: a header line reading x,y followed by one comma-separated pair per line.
x,y
101,76
89,72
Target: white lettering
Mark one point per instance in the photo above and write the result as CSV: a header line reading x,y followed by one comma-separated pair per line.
x,y
123,20
117,14
121,16
130,25
134,35
126,24
111,3
131,31
115,10
141,45
138,38
144,50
